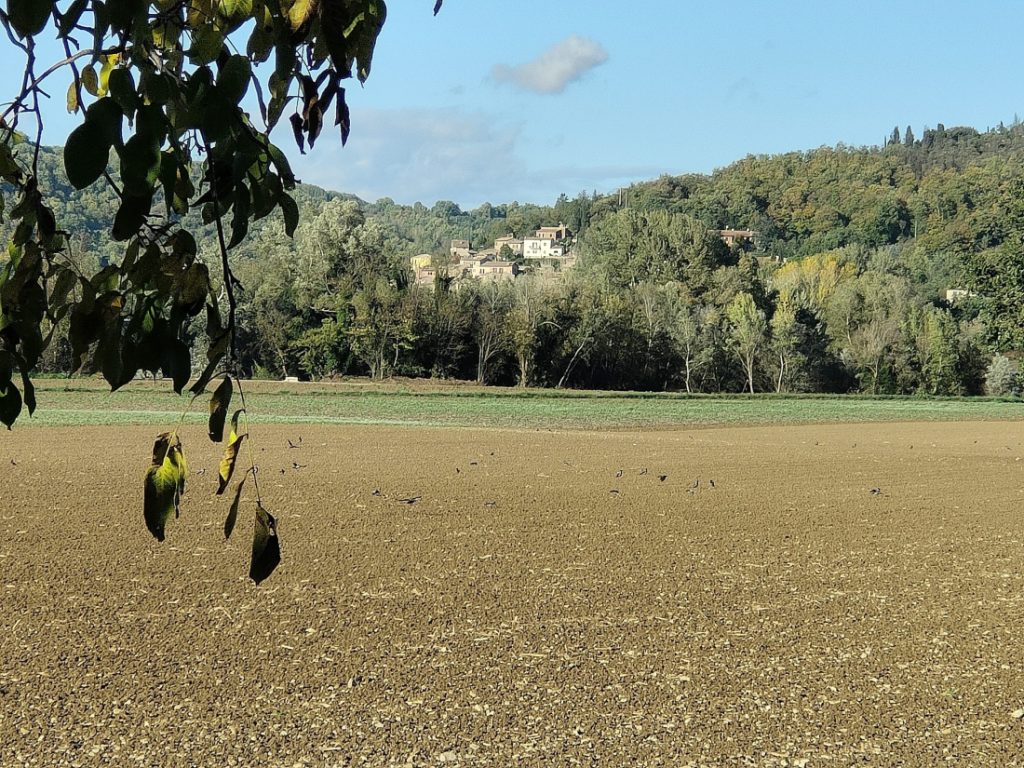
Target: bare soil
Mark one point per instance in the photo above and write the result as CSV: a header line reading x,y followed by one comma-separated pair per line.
x,y
842,595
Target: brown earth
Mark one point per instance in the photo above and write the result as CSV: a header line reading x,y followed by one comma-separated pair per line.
x,y
521,612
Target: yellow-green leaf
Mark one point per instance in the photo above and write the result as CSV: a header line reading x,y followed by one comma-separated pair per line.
x,y
301,12
165,483
219,409
109,62
266,550
228,461
90,81
73,98
234,425
235,9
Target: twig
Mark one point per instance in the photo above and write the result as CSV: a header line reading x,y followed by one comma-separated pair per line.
x,y
33,86
222,243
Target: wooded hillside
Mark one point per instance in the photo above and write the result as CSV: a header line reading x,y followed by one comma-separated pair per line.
x,y
844,286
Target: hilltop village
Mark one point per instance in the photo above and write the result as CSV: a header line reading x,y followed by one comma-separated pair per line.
x,y
548,253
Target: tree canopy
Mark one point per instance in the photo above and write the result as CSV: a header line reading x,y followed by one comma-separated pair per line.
x,y
159,88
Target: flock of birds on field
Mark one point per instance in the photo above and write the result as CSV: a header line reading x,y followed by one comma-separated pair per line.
x,y
410,500
694,488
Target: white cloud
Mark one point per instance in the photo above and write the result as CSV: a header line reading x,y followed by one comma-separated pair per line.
x,y
415,154
561,64
427,155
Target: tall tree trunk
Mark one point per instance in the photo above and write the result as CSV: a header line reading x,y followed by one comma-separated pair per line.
x,y
572,363
750,373
479,364
782,373
284,361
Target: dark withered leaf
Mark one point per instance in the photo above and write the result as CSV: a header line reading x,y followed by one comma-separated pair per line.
x,y
232,518
266,550
219,403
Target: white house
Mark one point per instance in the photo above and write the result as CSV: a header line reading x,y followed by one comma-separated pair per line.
x,y
542,248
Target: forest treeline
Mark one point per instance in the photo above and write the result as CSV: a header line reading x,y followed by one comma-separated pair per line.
x,y
845,287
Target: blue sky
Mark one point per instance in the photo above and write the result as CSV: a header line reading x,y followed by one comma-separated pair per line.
x,y
499,101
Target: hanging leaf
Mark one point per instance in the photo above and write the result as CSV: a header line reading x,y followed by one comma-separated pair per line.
x,y
277,157
290,211
297,129
234,425
131,215
229,522
121,85
10,404
343,117
90,81
176,363
266,550
351,30
140,164
165,483
233,80
240,222
71,16
230,458
207,42
30,392
227,463
85,155
107,67
301,12
28,17
108,118
72,98
232,9
219,409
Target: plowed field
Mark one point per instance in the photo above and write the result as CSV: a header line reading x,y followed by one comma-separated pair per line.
x,y
841,595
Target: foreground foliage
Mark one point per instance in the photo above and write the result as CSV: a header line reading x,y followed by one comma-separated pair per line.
x,y
159,89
